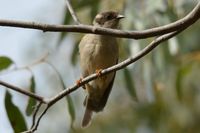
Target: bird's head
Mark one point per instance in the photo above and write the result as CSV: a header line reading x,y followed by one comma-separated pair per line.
x,y
109,19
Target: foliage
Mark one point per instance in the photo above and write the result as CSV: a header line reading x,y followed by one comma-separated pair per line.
x,y
160,93
31,102
15,116
5,62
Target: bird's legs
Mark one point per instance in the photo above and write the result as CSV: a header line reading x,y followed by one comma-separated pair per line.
x,y
98,72
78,82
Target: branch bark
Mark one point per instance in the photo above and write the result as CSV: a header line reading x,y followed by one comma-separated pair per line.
x,y
117,67
22,91
191,18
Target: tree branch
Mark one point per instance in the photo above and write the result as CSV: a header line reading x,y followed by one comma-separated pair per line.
x,y
35,114
119,66
27,93
191,18
36,122
74,16
34,128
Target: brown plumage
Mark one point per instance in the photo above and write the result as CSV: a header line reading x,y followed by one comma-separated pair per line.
x,y
98,52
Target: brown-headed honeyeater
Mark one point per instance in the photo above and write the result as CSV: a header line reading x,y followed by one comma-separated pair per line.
x,y
98,52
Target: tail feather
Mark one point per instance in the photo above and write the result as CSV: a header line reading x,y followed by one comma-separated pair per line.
x,y
87,117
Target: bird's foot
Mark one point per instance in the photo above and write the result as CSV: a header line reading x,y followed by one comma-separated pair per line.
x,y
98,72
78,82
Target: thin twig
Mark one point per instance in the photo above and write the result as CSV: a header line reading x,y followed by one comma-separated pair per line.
x,y
38,121
35,114
191,18
29,66
73,14
23,91
38,61
27,93
57,73
34,118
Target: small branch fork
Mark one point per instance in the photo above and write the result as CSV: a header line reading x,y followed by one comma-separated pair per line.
x,y
164,32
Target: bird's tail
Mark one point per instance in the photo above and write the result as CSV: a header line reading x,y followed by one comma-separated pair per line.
x,y
87,117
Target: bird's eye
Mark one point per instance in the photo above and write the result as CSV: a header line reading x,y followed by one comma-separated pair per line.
x,y
109,17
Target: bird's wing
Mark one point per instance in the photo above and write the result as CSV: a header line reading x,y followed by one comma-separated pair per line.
x,y
98,106
82,46
105,96
107,91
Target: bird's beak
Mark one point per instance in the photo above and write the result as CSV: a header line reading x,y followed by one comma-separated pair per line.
x,y
120,16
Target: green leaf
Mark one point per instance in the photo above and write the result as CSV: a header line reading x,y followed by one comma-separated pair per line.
x,y
181,74
31,102
74,54
85,3
129,83
71,108
66,21
14,115
69,102
5,62
94,10
68,98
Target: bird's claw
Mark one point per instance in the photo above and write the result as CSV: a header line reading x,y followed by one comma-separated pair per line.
x,y
98,72
78,82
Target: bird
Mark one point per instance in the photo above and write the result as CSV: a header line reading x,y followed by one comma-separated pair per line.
x,y
98,52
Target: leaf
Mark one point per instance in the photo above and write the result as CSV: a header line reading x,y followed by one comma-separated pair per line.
x,y
94,8
129,83
71,108
69,103
181,74
68,98
5,62
85,3
74,54
66,21
14,115
171,12
31,102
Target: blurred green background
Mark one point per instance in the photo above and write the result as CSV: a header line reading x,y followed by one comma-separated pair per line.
x,y
160,93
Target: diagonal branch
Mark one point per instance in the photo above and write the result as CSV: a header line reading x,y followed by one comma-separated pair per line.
x,y
191,18
27,93
119,66
35,123
35,126
71,10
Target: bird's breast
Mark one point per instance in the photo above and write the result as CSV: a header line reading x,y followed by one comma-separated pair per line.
x,y
105,53
97,52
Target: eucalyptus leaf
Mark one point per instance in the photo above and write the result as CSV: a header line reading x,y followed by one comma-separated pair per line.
x,y
31,102
67,19
74,54
129,83
85,3
71,108
15,117
5,62
68,98
181,74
